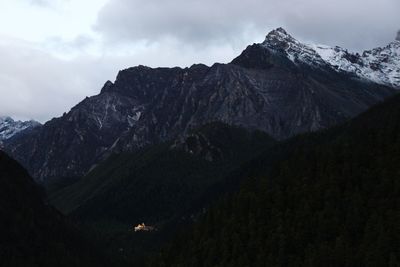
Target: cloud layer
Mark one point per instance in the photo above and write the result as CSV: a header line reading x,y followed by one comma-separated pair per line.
x,y
34,84
357,24
54,53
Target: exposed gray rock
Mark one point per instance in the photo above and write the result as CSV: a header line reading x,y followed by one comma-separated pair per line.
x,y
261,89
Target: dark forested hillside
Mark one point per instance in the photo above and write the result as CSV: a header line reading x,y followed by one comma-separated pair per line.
x,y
31,232
157,182
332,199
164,185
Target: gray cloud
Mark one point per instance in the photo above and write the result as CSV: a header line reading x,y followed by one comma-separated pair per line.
x,y
35,84
192,21
79,44
357,24
39,2
42,3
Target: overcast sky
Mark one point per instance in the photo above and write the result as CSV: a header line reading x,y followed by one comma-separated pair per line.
x,y
53,53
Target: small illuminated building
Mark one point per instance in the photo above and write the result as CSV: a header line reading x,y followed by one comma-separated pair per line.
x,y
143,228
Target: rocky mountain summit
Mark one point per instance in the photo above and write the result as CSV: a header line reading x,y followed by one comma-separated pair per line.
x,y
380,65
281,87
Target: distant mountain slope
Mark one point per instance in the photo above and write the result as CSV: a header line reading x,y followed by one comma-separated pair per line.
x,y
33,233
264,88
381,65
9,127
329,199
164,181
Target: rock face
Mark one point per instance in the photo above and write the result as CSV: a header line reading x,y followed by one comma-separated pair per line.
x,y
280,86
9,127
398,36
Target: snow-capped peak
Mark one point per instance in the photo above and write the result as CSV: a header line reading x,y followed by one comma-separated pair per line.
x,y
9,127
380,65
296,51
278,35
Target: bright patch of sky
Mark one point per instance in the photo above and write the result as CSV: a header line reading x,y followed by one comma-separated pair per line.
x,y
62,27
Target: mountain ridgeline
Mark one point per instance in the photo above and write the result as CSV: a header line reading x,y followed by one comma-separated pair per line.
x,y
280,86
323,199
274,159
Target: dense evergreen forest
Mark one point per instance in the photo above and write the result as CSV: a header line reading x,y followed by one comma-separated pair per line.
x,y
166,186
34,234
329,198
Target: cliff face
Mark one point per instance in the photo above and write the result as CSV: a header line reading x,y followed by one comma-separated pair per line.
x,y
264,88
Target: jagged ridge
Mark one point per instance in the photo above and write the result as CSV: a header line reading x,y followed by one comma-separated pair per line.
x,y
380,65
262,89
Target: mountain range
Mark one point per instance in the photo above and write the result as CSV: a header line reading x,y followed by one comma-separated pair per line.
x,y
286,156
281,86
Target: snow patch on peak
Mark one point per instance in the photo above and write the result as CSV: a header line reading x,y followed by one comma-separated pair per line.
x,y
278,38
297,52
335,56
9,127
278,33
380,65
